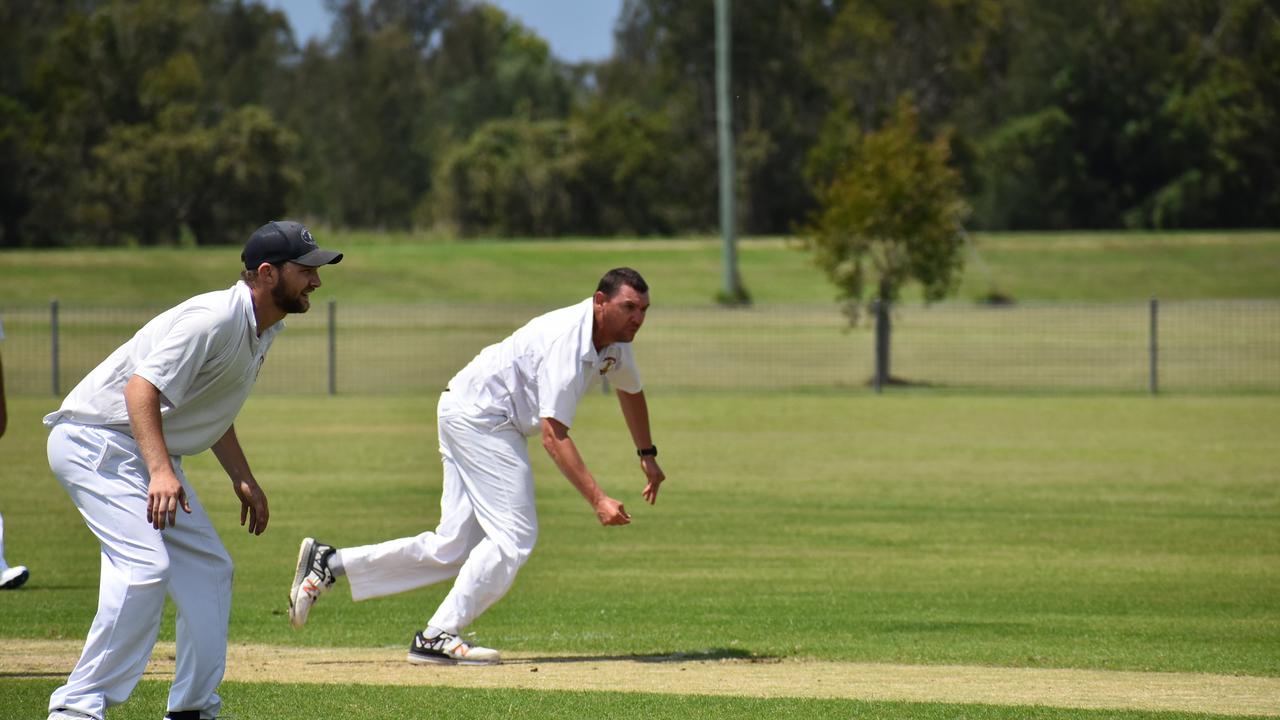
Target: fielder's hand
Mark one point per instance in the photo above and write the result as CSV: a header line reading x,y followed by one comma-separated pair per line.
x,y
164,494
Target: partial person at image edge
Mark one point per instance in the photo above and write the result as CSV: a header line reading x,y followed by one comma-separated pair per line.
x,y
11,578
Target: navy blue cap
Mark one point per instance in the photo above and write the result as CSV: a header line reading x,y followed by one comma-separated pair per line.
x,y
285,241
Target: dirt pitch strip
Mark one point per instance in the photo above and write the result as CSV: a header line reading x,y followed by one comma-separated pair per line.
x,y
1087,689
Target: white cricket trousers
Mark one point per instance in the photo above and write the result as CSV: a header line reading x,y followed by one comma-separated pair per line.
x,y
488,524
104,473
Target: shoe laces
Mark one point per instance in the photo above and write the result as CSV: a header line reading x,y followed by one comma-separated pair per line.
x,y
320,565
442,642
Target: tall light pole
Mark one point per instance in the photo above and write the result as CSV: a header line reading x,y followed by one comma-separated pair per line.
x,y
731,292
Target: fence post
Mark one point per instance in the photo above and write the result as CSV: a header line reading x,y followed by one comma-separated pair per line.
x,y
1153,351
881,308
333,347
53,355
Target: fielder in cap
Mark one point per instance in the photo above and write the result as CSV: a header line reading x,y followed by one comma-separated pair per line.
x,y
529,384
116,446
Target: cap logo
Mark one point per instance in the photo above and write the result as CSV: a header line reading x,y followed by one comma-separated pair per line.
x,y
307,239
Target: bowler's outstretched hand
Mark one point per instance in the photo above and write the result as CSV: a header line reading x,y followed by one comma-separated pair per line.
x,y
611,512
649,465
253,505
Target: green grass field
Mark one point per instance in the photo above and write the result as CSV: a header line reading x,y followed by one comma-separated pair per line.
x,y
1110,533
1080,324
390,268
370,702
1113,532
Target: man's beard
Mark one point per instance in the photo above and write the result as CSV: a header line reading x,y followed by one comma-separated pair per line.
x,y
288,303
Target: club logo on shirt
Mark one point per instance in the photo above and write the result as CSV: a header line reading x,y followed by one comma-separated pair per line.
x,y
609,362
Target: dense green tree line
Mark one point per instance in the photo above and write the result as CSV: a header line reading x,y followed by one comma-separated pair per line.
x,y
146,120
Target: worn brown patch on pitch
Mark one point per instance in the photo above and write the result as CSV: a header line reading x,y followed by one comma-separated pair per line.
x,y
1090,689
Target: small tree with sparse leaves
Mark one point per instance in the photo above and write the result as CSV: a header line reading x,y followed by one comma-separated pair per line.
x,y
889,211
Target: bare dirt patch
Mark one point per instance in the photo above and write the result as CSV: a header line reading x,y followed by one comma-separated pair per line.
x,y
1091,689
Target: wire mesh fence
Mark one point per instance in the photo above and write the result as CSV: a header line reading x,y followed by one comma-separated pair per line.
x,y
1193,346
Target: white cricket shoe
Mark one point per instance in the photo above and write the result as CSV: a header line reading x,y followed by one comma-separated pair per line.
x,y
13,578
312,579
447,649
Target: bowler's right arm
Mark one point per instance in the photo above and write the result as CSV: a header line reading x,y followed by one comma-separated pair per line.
x,y
558,444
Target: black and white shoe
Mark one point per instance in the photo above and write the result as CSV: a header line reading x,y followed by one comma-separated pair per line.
x,y
12,578
448,649
312,579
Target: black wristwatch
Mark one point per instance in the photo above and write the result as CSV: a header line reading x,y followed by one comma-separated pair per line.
x,y
651,451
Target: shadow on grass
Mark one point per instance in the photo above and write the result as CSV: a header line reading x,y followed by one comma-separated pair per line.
x,y
675,657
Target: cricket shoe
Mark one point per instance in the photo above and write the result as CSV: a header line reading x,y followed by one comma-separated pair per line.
x,y
13,578
312,579
448,649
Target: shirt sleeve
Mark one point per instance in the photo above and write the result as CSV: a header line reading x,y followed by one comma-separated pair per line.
x,y
176,358
624,374
561,381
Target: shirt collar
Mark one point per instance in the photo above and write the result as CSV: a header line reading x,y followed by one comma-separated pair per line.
x,y
587,350
244,298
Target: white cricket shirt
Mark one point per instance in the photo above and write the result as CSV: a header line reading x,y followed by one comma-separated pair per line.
x,y
542,370
203,355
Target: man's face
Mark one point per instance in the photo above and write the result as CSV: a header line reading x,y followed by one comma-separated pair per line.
x,y
292,290
622,315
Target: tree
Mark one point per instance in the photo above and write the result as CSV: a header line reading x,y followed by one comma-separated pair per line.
x,y
115,124
889,210
153,180
1132,114
1223,111
940,52
665,64
17,157
27,28
624,183
245,49
488,66
359,102
511,177
248,177
1060,115
397,83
